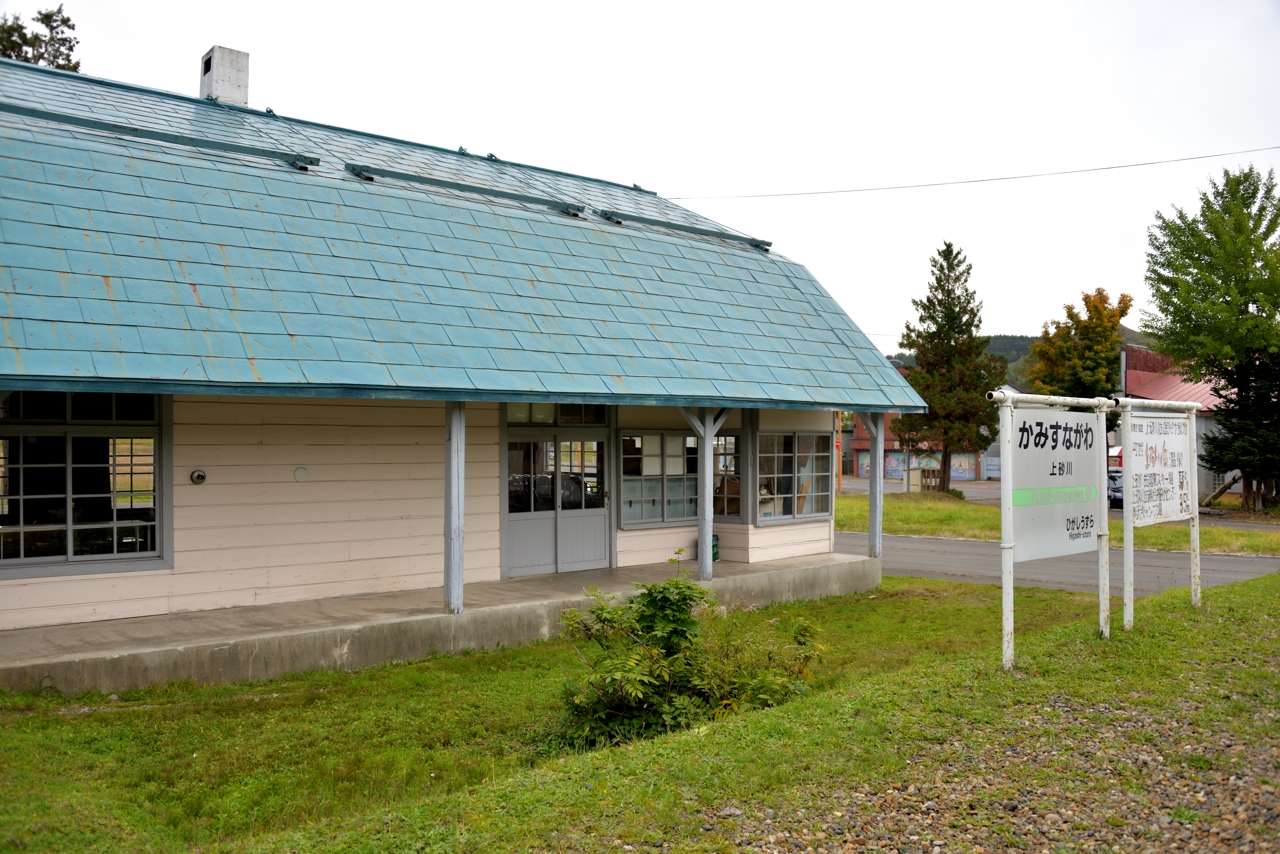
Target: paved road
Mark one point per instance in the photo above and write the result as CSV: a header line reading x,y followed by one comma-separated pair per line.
x,y
988,492
967,560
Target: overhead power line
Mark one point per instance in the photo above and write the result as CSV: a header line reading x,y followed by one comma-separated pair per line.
x,y
982,180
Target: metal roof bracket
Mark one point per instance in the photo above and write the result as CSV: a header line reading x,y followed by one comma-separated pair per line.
x,y
618,218
368,173
297,161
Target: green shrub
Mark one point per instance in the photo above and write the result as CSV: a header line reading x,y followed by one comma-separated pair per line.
x,y
669,658
955,493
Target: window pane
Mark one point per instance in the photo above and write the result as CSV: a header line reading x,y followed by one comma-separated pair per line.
x,y
571,413
595,413
91,480
136,539
93,541
44,543
632,445
10,545
45,480
10,452
542,413
91,450
544,467
91,406
37,450
519,476
44,406
675,487
593,475
135,407
822,445
10,513
44,511
8,404
517,413
786,444
91,511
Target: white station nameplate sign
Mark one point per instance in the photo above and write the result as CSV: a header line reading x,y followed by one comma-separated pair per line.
x,y
1158,466
1057,468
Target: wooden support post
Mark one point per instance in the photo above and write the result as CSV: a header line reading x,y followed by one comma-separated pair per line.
x,y
874,422
455,479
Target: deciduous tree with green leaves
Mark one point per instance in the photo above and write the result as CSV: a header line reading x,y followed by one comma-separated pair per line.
x,y
1080,357
54,47
953,371
1214,275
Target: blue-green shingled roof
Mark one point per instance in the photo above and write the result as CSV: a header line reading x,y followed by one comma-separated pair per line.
x,y
168,254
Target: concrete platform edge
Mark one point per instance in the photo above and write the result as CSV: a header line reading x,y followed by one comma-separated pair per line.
x,y
271,656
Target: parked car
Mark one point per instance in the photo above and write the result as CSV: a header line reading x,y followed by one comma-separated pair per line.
x,y
1115,488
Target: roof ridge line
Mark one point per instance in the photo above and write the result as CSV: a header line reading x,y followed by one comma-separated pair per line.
x,y
133,87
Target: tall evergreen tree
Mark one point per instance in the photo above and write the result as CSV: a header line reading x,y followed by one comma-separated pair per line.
x,y
1214,275
953,371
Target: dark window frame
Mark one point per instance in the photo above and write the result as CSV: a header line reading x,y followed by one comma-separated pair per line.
x,y
159,430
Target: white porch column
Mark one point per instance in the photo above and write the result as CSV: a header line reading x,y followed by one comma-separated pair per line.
x,y
874,422
455,479
706,423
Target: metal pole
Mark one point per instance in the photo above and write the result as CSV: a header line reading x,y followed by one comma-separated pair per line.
x,y
455,479
1006,529
1104,536
1127,472
875,489
1193,467
706,501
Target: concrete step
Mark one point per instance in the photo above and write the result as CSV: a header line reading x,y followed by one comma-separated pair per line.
x,y
269,641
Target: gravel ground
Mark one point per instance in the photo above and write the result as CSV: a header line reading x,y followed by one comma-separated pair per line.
x,y
1071,778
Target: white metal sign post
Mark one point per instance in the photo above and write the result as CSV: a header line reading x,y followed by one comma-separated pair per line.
x,y
1160,471
1053,495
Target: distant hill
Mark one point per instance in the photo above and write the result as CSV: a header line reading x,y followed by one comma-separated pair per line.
x,y
1012,347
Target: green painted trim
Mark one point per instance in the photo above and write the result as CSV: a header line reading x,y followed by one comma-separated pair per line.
x,y
1042,496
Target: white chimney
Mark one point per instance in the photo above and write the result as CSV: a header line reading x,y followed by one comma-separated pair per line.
x,y
224,75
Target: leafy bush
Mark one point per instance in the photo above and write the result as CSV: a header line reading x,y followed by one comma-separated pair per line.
x,y
669,658
955,493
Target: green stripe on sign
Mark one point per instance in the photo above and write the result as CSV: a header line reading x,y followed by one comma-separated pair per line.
x,y
1054,495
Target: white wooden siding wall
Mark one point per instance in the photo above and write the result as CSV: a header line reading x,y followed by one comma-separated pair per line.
x,y
367,519
751,544
655,545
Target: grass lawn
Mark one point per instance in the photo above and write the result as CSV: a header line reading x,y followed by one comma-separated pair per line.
x,y
164,769
933,515
913,731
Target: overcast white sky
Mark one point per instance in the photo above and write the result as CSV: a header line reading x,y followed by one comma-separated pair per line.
x,y
709,99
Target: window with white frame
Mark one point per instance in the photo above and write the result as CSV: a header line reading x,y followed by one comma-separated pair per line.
x,y
794,475
659,477
77,476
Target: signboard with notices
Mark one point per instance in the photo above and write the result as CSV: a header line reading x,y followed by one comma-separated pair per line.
x,y
1057,473
1158,460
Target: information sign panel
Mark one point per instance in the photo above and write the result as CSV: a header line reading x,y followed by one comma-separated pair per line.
x,y
1057,470
1158,464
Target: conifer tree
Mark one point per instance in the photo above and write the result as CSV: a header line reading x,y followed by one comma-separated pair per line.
x,y
953,371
